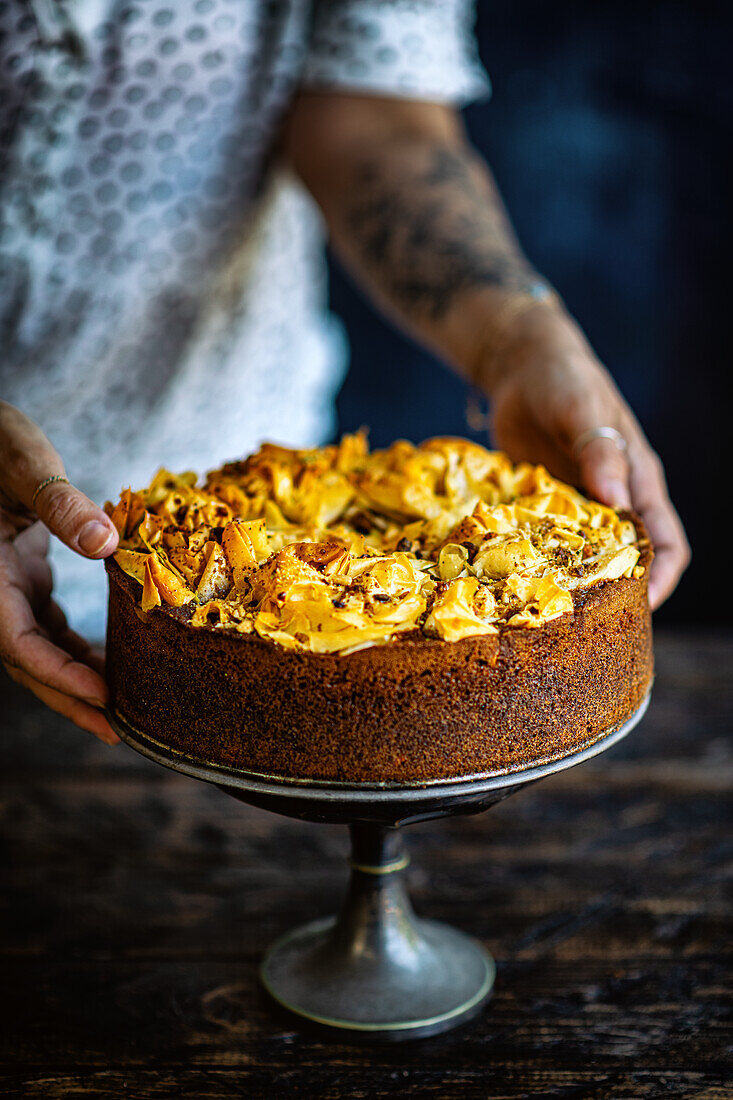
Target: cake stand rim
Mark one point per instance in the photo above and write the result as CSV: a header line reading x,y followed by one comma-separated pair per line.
x,y
332,790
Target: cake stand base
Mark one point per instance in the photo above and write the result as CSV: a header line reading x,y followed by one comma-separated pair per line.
x,y
377,969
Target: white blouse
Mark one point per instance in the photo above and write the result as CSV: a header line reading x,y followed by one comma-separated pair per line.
x,y
162,281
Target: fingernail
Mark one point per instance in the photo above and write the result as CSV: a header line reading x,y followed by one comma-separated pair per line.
x,y
616,493
96,701
94,537
108,738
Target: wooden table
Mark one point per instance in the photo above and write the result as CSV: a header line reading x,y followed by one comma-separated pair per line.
x,y
137,903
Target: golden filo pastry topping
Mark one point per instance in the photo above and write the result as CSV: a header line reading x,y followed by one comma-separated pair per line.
x,y
337,548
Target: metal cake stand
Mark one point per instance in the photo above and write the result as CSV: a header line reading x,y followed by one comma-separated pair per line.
x,y
375,970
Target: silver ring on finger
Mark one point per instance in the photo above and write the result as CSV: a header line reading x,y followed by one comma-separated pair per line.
x,y
605,431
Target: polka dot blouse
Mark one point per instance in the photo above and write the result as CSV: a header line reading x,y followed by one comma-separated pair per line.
x,y
162,281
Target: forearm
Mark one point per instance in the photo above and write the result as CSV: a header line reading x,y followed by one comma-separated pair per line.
x,y
416,216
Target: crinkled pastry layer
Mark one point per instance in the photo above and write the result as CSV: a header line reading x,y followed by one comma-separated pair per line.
x,y
335,549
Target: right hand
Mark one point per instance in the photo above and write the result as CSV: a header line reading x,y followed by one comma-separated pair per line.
x,y
547,392
37,646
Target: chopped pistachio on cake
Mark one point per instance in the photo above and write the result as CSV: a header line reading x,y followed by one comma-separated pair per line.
x,y
336,548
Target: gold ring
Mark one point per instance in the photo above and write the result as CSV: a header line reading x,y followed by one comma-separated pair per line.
x,y
604,432
43,484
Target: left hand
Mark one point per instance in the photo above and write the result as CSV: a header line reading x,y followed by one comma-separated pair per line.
x,y
546,390
70,676
37,647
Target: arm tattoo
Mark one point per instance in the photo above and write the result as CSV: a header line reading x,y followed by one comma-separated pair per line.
x,y
428,228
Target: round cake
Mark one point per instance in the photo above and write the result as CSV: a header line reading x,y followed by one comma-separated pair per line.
x,y
409,615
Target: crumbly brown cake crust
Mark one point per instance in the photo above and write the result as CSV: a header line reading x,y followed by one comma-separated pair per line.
x,y
413,614
415,709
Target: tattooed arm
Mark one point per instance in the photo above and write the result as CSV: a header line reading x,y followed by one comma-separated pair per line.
x,y
415,214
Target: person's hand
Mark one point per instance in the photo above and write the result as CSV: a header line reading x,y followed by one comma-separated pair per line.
x,y
37,646
547,389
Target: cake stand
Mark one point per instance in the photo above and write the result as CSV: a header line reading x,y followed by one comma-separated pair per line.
x,y
375,970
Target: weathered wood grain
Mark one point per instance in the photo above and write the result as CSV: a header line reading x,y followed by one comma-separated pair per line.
x,y
135,905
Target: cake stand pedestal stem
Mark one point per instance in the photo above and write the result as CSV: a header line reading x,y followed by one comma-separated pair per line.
x,y
377,968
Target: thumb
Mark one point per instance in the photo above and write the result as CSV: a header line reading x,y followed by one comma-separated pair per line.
x,y
32,474
604,472
76,520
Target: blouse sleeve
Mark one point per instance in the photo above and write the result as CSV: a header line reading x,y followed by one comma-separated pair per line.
x,y
419,49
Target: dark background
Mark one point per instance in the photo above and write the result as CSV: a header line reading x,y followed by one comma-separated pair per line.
x,y
607,131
